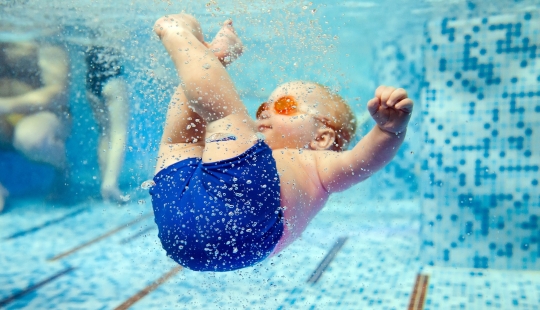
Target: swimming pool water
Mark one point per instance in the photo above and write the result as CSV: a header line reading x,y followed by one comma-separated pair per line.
x,y
459,204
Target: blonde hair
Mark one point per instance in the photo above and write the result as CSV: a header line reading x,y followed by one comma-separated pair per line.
x,y
342,120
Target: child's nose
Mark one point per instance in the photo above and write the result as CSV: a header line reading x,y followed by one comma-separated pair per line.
x,y
263,115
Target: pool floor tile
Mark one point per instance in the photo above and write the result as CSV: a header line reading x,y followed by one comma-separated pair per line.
x,y
376,267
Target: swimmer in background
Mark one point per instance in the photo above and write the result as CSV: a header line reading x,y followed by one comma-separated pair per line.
x,y
231,191
106,92
34,114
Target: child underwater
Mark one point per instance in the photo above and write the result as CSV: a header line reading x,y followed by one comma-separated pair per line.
x,y
231,191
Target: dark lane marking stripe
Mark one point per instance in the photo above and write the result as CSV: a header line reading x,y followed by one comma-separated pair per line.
x,y
46,224
137,235
327,260
147,290
34,287
419,293
77,248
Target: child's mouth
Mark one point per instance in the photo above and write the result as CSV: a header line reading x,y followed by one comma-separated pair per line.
x,y
264,127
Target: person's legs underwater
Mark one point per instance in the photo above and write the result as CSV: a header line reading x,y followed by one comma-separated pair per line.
x,y
6,135
3,195
216,195
207,89
107,94
39,137
42,137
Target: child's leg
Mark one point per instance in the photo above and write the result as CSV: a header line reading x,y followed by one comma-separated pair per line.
x,y
206,85
183,135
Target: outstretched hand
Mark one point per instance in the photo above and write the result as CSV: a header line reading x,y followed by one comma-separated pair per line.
x,y
391,109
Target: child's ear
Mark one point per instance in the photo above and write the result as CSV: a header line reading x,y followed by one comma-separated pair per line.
x,y
324,139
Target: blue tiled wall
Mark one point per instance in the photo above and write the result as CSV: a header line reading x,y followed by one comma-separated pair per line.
x,y
481,148
398,63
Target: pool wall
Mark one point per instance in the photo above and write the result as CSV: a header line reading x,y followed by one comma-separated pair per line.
x,y
481,150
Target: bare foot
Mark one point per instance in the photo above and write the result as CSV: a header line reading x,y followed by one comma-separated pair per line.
x,y
3,195
227,46
112,193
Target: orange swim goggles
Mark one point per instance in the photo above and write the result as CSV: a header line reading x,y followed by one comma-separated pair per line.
x,y
285,105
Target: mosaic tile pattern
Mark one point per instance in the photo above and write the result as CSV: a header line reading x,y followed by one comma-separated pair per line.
x,y
452,288
398,63
372,271
481,127
102,271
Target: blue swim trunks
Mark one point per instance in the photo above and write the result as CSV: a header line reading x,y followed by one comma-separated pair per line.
x,y
219,216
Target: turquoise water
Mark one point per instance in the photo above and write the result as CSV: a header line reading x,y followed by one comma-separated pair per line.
x,y
459,204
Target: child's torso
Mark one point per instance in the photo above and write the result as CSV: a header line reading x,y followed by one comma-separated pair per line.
x,y
302,194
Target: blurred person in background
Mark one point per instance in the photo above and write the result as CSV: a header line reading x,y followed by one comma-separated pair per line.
x,y
34,114
106,91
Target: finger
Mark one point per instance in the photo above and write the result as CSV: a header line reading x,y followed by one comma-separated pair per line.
x,y
396,96
386,95
379,91
373,106
405,105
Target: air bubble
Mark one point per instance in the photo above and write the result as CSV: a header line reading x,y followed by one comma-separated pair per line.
x,y
148,184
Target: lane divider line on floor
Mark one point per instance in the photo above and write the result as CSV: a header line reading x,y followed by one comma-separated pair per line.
x,y
316,275
147,290
46,224
137,235
99,238
419,293
34,287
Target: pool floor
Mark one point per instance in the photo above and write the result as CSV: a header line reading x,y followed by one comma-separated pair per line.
x,y
96,255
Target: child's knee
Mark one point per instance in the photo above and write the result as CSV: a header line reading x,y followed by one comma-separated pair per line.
x,y
189,20
180,23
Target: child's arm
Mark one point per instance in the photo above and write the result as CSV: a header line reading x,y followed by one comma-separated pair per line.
x,y
391,109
